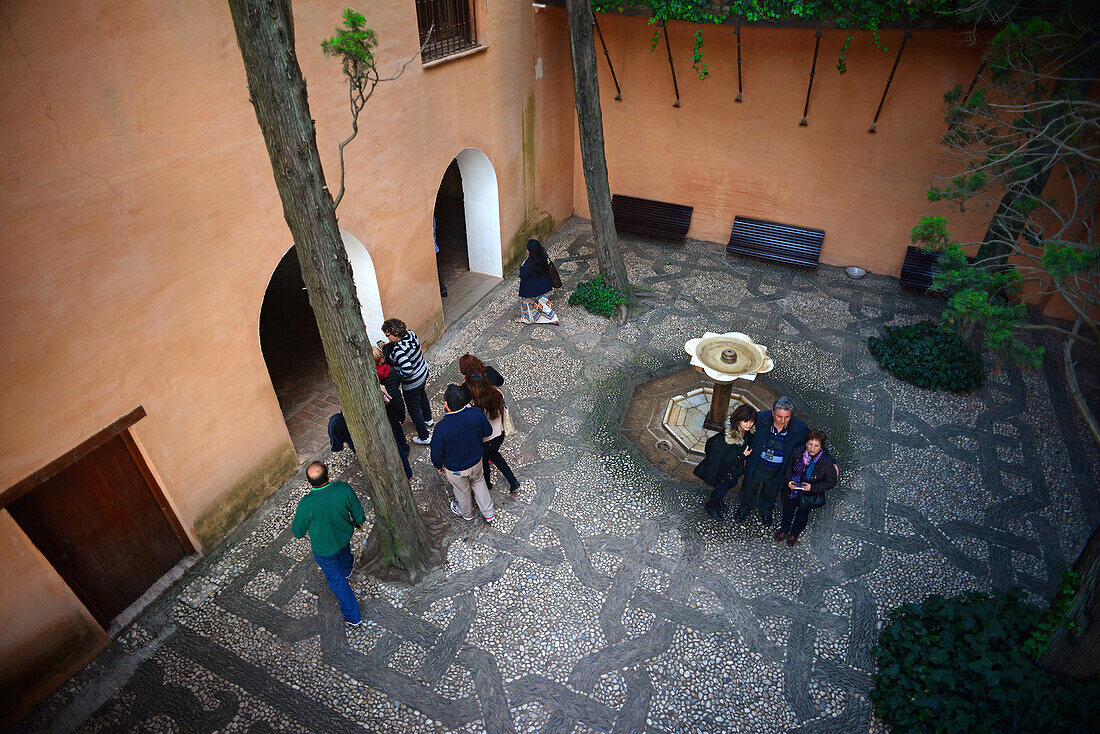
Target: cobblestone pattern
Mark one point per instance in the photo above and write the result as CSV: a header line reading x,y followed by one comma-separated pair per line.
x,y
603,598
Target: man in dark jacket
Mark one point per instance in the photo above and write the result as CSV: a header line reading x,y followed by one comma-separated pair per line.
x,y
456,452
777,433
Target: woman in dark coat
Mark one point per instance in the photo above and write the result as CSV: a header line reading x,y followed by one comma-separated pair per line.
x,y
390,380
469,364
489,399
725,458
813,472
534,287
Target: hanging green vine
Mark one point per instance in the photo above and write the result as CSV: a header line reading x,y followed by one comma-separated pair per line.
x,y
867,15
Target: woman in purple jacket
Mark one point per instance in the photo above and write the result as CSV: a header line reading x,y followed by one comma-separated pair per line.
x,y
812,473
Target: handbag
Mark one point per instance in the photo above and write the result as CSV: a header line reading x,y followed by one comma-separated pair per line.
x,y
811,500
552,271
509,426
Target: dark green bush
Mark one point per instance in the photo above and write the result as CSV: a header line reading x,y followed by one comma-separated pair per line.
x,y
597,296
961,665
927,356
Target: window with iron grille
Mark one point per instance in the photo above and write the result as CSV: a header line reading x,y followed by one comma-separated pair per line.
x,y
446,27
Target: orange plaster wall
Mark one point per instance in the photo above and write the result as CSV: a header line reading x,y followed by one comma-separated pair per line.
x,y
753,159
556,116
142,223
136,219
413,128
47,633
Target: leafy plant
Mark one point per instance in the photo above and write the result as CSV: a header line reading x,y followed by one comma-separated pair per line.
x,y
927,356
964,665
1025,141
1058,615
353,44
597,296
979,304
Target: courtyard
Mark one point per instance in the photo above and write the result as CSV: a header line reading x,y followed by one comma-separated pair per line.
x,y
603,598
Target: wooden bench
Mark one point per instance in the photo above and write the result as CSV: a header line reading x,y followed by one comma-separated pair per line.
x,y
650,218
784,243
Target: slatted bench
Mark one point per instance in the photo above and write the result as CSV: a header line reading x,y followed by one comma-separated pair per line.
x,y
784,243
919,267
650,218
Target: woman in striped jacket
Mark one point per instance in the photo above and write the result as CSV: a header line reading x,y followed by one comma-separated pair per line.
x,y
403,350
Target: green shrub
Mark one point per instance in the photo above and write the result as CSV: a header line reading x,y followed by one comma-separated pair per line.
x,y
927,356
961,665
597,296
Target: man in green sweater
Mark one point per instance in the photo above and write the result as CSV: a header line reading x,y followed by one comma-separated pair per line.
x,y
330,513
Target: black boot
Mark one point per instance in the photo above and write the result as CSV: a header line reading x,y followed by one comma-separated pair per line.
x,y
712,507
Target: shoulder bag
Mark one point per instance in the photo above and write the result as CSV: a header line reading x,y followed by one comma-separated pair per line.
x,y
552,271
811,500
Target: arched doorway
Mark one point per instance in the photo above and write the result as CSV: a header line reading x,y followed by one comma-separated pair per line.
x,y
366,285
291,345
466,221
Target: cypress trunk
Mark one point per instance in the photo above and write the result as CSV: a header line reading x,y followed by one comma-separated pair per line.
x,y
1074,647
586,93
278,93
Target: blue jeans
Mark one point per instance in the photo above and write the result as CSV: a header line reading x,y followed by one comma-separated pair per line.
x,y
420,410
720,492
336,570
795,516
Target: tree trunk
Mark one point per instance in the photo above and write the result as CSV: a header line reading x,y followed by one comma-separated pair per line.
x,y
586,93
1074,649
278,93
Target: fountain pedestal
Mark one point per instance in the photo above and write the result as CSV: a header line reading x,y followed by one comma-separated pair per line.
x,y
719,404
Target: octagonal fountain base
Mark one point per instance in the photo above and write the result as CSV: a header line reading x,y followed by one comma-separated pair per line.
x,y
664,418
685,414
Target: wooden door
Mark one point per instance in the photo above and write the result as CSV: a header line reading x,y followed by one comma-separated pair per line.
x,y
103,526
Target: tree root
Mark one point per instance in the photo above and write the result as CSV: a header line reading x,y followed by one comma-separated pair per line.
x,y
1075,389
386,567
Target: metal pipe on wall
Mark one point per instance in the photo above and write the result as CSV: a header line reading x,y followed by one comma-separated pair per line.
x,y
813,71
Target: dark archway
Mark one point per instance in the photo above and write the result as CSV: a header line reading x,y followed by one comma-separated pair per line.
x,y
295,358
453,258
467,232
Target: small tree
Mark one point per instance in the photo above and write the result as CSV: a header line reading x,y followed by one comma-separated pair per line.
x,y
1029,122
354,45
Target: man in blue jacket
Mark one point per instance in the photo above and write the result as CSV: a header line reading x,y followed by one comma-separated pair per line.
x,y
777,433
456,451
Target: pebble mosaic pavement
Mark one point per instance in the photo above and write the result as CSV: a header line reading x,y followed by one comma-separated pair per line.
x,y
603,598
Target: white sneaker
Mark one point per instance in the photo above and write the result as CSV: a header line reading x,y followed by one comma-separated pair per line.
x,y
454,509
429,423
421,441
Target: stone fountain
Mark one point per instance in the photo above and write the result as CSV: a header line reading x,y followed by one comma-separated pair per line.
x,y
728,360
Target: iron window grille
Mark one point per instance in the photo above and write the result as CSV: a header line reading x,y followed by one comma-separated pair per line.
x,y
446,27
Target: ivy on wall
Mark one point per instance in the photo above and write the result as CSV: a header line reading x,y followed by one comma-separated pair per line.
x,y
854,15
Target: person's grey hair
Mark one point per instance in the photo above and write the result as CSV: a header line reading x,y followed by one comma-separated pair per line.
x,y
783,403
